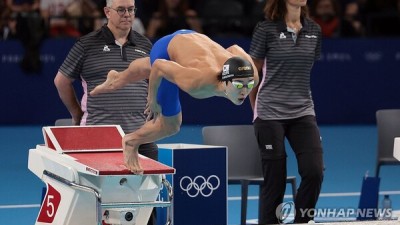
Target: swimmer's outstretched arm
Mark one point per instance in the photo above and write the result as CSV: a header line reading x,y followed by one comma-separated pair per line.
x,y
158,71
138,69
185,78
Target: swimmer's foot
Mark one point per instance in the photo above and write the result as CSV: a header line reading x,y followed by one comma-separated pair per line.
x,y
131,158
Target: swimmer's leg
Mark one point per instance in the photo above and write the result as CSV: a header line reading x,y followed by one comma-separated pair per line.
x,y
151,131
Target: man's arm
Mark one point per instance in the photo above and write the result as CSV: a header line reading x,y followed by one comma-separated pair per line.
x,y
138,69
185,78
158,71
68,96
253,94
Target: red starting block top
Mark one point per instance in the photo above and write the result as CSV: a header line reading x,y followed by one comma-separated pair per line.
x,y
112,163
84,138
98,147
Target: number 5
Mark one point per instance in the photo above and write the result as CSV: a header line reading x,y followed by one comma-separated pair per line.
x,y
50,206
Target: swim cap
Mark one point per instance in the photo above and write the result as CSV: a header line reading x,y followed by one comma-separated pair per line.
x,y
236,67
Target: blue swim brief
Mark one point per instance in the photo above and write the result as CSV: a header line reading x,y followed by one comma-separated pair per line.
x,y
168,93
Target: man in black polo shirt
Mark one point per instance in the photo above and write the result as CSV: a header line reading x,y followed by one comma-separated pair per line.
x,y
113,47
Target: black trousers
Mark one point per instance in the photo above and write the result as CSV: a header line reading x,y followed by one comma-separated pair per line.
x,y
304,137
150,150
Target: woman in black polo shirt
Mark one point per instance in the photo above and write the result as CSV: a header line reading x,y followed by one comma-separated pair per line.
x,y
284,46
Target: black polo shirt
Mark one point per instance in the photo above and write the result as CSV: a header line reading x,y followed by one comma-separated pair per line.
x,y
90,60
284,91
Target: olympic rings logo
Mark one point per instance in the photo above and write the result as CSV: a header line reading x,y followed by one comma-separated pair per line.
x,y
199,185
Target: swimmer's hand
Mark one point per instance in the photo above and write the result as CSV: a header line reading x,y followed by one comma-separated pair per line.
x,y
153,110
109,85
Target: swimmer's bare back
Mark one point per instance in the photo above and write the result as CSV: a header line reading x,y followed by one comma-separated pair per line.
x,y
196,50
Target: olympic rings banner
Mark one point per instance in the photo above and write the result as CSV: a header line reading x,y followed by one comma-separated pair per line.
x,y
199,184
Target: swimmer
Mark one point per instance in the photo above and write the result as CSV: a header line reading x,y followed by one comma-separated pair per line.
x,y
183,60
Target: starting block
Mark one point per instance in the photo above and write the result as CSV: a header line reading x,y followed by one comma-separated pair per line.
x,y
87,181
